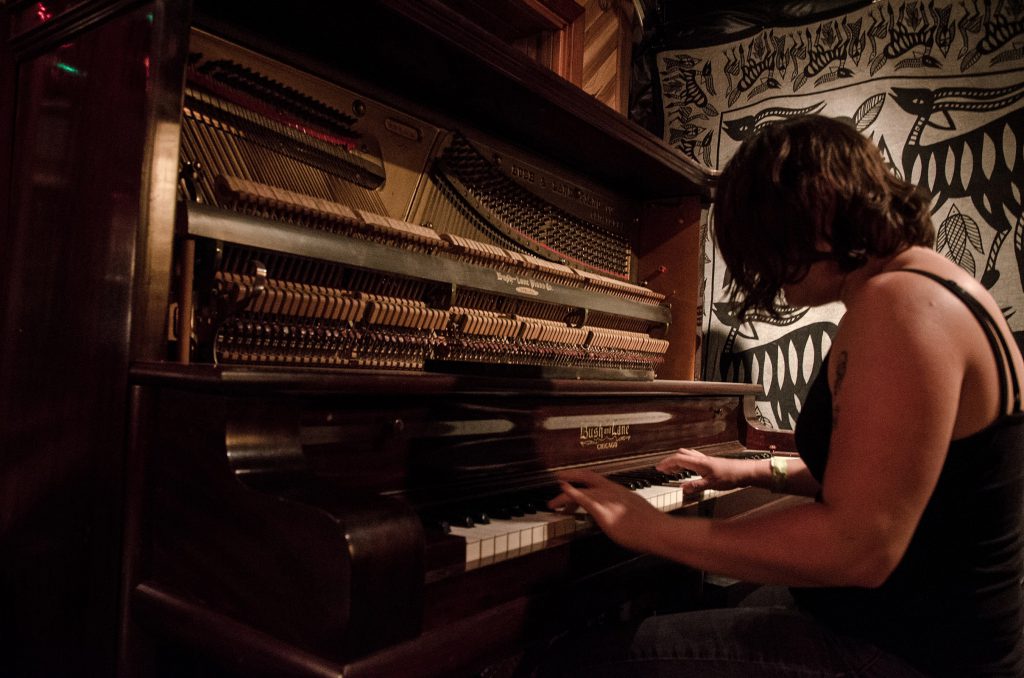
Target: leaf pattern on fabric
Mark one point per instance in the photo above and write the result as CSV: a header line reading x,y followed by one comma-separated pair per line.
x,y
954,234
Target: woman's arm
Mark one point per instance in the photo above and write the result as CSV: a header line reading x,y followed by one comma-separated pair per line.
x,y
723,473
895,376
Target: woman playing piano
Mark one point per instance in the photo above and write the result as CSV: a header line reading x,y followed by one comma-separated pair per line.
x,y
909,561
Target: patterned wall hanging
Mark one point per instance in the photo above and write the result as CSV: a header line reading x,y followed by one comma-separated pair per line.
x,y
938,85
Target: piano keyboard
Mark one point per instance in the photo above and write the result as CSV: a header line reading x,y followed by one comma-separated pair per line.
x,y
524,525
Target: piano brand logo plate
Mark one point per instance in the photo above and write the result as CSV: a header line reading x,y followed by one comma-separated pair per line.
x,y
604,437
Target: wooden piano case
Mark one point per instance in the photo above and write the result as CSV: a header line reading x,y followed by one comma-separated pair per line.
x,y
265,514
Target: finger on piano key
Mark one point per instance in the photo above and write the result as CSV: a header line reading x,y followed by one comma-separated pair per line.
x,y
662,497
514,525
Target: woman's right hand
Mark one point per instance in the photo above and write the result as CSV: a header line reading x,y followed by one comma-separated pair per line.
x,y
716,473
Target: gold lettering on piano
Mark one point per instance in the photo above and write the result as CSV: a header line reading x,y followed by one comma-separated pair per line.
x,y
604,437
523,285
523,174
593,206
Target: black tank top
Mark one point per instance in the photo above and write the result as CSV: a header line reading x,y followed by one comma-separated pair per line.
x,y
954,605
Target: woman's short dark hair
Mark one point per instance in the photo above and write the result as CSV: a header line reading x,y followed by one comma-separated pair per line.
x,y
804,190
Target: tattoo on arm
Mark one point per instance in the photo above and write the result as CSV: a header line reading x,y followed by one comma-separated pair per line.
x,y
840,375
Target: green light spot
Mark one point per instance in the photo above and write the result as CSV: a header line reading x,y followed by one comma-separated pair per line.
x,y
68,68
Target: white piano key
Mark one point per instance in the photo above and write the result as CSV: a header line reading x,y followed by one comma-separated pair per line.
x,y
534,530
529,531
556,524
494,538
472,544
662,497
479,544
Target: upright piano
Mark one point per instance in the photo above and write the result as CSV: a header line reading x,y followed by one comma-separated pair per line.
x,y
381,276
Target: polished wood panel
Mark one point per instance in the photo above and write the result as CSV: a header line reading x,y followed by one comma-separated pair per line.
x,y
671,255
69,236
550,32
607,52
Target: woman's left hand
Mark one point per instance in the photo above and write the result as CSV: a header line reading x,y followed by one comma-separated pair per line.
x,y
626,517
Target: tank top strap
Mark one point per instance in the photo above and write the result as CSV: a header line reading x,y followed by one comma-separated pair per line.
x,y
996,340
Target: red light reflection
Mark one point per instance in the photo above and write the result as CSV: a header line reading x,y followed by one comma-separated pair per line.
x,y
43,13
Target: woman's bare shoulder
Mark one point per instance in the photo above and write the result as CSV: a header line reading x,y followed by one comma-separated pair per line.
x,y
898,311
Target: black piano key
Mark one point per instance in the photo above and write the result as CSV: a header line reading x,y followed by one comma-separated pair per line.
x,y
528,506
626,481
638,477
501,512
460,520
464,515
540,497
436,524
657,477
682,474
507,509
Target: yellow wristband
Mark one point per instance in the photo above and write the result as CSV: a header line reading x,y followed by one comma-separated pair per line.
x,y
780,467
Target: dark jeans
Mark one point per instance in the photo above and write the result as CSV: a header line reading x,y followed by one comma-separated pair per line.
x,y
746,642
